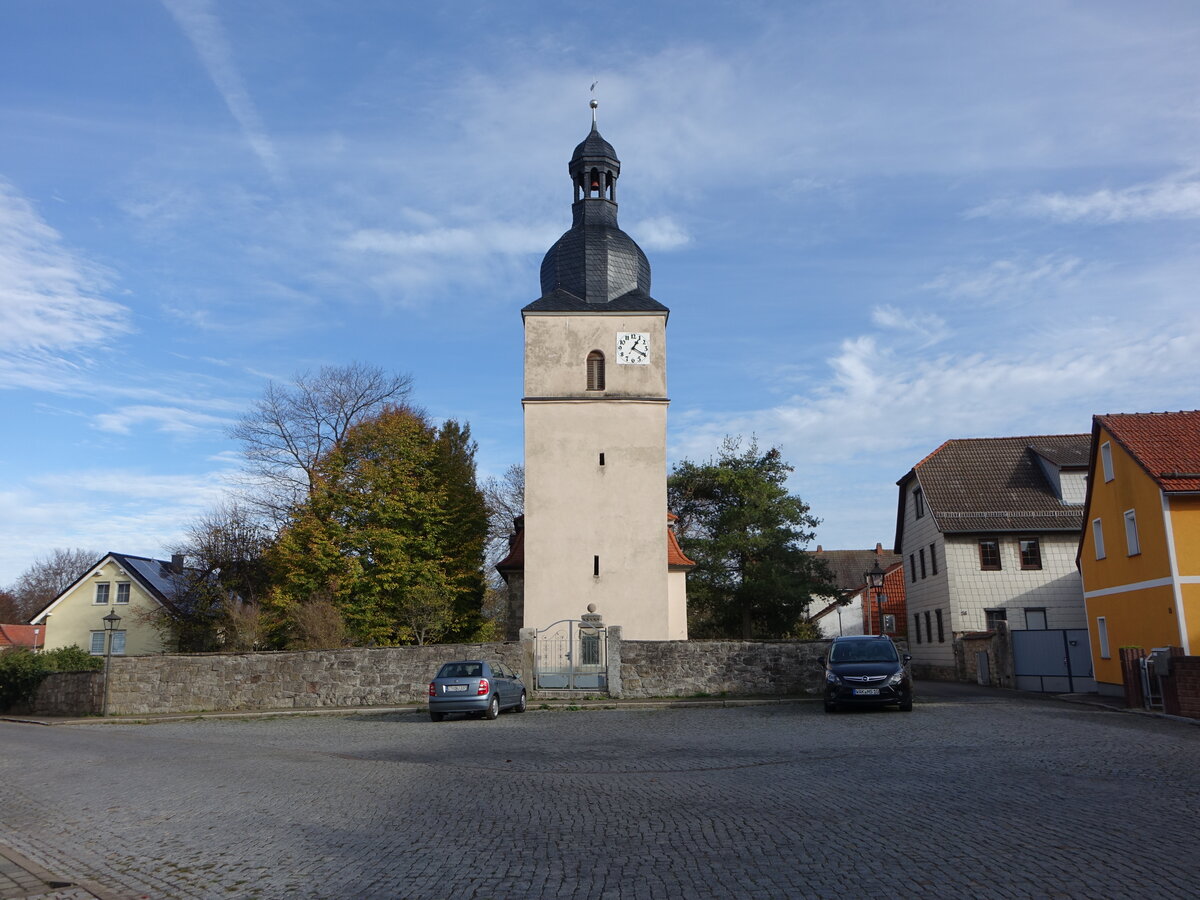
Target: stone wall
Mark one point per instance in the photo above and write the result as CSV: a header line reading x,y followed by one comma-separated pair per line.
x,y
737,668
998,647
70,694
388,676
310,679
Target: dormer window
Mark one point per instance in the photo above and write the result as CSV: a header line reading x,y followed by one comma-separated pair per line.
x,y
595,371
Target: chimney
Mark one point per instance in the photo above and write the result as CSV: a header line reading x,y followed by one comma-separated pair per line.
x,y
878,549
177,563
820,549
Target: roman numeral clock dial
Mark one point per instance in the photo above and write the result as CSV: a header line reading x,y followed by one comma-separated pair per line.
x,y
633,348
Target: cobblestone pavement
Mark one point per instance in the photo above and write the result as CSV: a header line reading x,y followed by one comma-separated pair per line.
x,y
974,794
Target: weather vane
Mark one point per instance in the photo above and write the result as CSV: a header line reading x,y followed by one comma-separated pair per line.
x,y
594,102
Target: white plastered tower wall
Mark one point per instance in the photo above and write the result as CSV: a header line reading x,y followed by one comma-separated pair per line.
x,y
595,406
595,526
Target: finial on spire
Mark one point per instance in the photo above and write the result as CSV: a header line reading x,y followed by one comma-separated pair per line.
x,y
594,103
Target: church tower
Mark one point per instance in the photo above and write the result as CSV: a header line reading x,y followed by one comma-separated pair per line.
x,y
595,407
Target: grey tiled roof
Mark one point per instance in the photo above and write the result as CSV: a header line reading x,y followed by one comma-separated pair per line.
x,y
1074,456
561,301
849,566
996,484
594,147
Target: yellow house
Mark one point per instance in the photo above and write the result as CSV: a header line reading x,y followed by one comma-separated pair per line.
x,y
133,587
1140,551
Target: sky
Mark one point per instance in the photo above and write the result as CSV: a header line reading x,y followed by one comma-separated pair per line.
x,y
877,227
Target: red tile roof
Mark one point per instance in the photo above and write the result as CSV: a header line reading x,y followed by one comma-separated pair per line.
x,y
675,554
515,560
1166,445
22,635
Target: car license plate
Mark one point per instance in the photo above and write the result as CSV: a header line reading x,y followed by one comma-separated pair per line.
x,y
451,688
866,692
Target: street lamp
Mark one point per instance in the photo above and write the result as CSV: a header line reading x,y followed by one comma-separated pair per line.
x,y
875,580
111,621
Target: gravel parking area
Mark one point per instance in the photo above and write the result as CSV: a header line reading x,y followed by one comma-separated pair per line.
x,y
975,793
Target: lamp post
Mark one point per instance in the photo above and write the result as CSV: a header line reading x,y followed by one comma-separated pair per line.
x,y
111,621
875,582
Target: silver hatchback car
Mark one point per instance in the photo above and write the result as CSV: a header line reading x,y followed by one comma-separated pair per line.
x,y
475,686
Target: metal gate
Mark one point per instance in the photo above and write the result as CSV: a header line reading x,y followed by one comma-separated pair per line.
x,y
571,655
1056,661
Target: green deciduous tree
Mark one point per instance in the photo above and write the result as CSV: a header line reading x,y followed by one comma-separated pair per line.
x,y
747,535
383,530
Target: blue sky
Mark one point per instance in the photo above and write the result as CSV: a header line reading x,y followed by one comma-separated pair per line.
x,y
878,226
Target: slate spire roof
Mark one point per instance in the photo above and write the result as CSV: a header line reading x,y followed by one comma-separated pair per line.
x,y
595,266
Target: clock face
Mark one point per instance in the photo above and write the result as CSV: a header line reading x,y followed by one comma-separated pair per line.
x,y
633,348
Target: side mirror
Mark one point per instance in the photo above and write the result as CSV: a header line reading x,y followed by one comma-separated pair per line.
x,y
907,657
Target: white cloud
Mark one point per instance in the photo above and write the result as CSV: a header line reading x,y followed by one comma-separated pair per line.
x,y
484,238
1008,280
928,328
660,233
877,402
1171,198
198,21
166,419
50,303
124,510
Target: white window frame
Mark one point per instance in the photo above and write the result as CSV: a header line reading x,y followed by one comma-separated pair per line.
x,y
1132,544
102,588
93,650
118,643
1106,461
1102,636
122,592
1098,538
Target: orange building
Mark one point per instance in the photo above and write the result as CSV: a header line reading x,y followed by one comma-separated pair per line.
x,y
1139,555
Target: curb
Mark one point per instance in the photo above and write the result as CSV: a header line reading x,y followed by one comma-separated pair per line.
x,y
534,704
56,887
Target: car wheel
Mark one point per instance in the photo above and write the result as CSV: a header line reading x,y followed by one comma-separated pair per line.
x,y
520,707
493,709
906,705
436,717
830,707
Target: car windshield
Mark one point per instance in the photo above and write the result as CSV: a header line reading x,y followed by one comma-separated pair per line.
x,y
863,651
461,670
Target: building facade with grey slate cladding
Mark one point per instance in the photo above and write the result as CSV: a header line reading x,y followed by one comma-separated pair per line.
x,y
988,529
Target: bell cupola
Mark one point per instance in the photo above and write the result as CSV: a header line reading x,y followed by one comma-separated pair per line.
x,y
594,167
595,266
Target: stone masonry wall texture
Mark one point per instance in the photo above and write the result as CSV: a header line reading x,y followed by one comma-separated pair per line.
x,y
689,668
149,685
145,685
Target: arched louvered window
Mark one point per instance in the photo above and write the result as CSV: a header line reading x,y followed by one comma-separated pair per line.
x,y
595,371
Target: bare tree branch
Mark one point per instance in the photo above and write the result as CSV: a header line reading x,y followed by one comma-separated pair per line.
x,y
294,426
